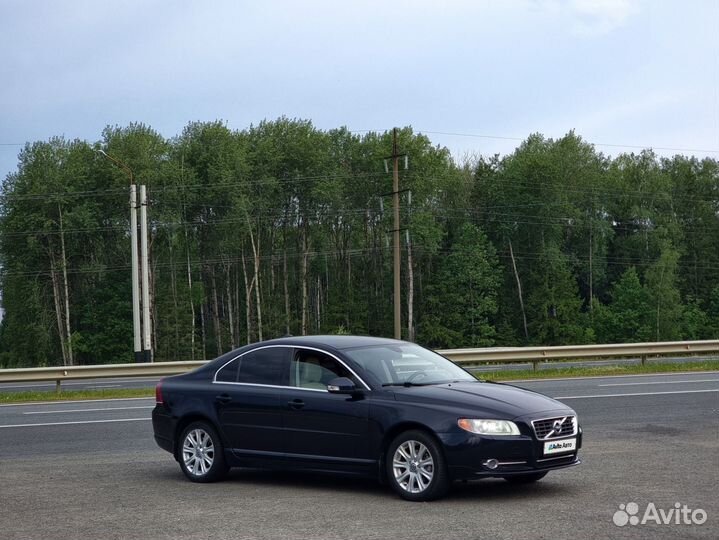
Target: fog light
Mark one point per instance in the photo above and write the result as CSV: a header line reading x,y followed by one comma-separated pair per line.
x,y
490,463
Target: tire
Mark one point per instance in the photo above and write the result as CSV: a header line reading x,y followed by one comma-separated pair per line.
x,y
200,453
529,478
415,467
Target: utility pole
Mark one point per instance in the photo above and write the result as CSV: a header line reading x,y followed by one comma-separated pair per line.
x,y
395,233
145,266
136,327
397,260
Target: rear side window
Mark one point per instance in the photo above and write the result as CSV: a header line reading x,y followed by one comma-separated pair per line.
x,y
228,373
263,366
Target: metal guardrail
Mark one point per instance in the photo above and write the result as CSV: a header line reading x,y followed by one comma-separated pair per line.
x,y
459,356
618,350
68,373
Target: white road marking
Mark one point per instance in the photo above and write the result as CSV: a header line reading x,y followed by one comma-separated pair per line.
x,y
660,382
638,394
60,401
554,379
87,410
76,383
76,422
103,386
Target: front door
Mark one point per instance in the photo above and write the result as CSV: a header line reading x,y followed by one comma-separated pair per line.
x,y
323,427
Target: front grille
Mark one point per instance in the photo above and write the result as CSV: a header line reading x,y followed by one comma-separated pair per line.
x,y
554,428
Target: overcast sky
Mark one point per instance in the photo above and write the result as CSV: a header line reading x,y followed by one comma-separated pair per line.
x,y
619,72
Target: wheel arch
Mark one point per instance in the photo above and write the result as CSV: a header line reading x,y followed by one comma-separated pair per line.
x,y
390,435
185,421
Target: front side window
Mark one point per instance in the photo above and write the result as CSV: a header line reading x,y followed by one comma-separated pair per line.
x,y
261,366
403,364
314,370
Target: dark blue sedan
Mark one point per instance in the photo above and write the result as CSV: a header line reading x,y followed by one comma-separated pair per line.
x,y
359,405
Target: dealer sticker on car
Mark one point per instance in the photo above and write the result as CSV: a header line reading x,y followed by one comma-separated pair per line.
x,y
555,447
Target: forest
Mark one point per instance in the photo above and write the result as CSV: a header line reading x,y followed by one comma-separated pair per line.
x,y
284,228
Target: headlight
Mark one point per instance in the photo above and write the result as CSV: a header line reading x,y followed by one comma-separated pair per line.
x,y
488,427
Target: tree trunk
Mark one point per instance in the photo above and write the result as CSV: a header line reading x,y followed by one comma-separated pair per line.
x,y
58,304
286,292
192,301
237,305
591,268
258,296
410,291
304,281
216,312
202,328
175,307
228,292
256,279
152,272
70,359
519,290
248,299
349,289
317,309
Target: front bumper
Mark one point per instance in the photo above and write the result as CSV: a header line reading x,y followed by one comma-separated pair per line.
x,y
516,455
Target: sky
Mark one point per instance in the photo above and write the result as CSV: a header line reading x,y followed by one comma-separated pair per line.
x,y
476,76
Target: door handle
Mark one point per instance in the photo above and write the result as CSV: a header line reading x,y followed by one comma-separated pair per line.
x,y
223,398
296,404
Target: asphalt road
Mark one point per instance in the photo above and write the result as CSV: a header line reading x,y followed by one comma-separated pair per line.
x,y
92,470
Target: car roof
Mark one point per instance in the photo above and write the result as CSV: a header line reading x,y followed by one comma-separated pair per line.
x,y
335,342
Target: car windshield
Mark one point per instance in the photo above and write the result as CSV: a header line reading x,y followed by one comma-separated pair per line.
x,y
407,364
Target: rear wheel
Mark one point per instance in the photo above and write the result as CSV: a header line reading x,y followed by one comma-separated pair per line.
x,y
525,478
200,453
416,468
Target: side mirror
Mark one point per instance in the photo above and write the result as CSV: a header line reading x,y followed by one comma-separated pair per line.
x,y
341,385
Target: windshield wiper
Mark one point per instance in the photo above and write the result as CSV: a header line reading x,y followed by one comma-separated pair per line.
x,y
405,384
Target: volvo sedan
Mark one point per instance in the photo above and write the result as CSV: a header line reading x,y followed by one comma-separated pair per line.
x,y
363,406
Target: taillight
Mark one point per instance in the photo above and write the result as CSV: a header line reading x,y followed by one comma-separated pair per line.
x,y
158,393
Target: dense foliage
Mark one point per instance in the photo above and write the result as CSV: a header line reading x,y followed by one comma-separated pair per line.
x,y
284,228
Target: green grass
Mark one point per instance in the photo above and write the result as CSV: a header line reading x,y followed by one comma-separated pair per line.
x,y
71,395
704,365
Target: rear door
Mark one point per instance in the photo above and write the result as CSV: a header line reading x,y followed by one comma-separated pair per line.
x,y
248,400
323,427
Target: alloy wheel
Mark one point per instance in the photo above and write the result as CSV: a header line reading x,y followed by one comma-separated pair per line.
x,y
198,452
413,466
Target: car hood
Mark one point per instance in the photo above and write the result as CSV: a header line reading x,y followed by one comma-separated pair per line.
x,y
495,399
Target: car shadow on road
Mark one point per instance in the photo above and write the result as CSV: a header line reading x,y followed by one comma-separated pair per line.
x,y
299,481
307,480
498,489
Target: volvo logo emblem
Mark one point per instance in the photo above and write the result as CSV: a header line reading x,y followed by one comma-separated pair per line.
x,y
557,427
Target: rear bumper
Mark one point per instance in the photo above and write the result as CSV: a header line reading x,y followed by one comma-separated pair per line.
x,y
163,427
465,454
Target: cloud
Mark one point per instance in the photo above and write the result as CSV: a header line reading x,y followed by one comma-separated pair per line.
x,y
599,17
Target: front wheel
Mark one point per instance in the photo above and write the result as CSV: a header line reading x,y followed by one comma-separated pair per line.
x,y
201,454
416,468
525,478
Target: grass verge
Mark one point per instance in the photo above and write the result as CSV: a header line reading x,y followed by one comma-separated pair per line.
x,y
72,395
598,371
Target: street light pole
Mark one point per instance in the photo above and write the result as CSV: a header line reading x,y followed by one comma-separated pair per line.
x,y
136,330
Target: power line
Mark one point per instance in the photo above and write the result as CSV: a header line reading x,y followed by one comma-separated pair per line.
x,y
277,255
